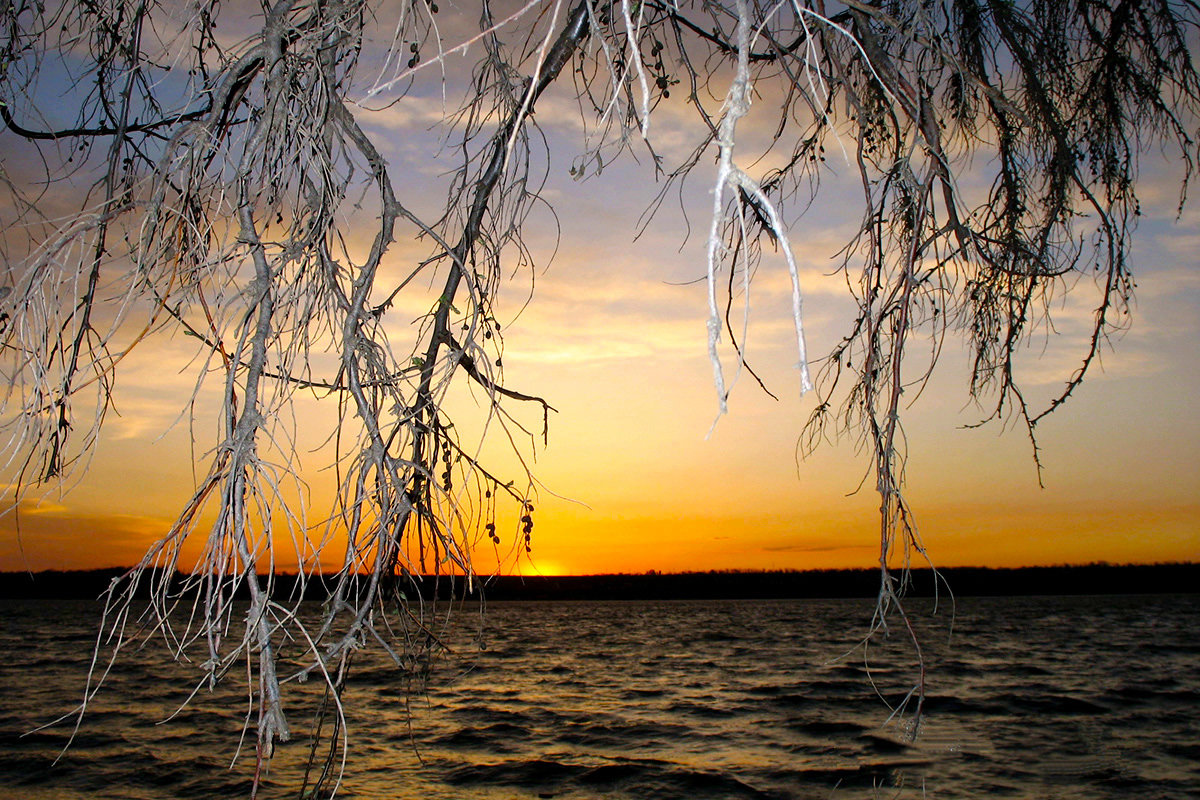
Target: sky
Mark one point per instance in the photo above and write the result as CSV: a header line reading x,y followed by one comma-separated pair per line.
x,y
636,476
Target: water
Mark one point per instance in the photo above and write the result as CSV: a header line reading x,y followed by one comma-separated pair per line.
x,y
1030,698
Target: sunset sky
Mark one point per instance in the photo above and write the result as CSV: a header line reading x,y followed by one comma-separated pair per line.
x,y
614,339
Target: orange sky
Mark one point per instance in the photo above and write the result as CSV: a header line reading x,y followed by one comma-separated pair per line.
x,y
630,481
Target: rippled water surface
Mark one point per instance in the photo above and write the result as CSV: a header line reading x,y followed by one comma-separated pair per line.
x,y
1092,697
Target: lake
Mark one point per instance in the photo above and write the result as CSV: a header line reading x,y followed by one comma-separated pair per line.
x,y
1032,697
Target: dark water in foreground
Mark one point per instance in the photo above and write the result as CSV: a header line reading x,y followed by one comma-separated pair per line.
x,y
1092,697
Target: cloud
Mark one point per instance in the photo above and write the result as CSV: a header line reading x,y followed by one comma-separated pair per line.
x,y
827,548
55,536
412,114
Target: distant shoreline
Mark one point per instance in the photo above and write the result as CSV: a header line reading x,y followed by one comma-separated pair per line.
x,y
1174,578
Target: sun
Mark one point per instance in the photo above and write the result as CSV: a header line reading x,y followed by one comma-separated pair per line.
x,y
543,566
